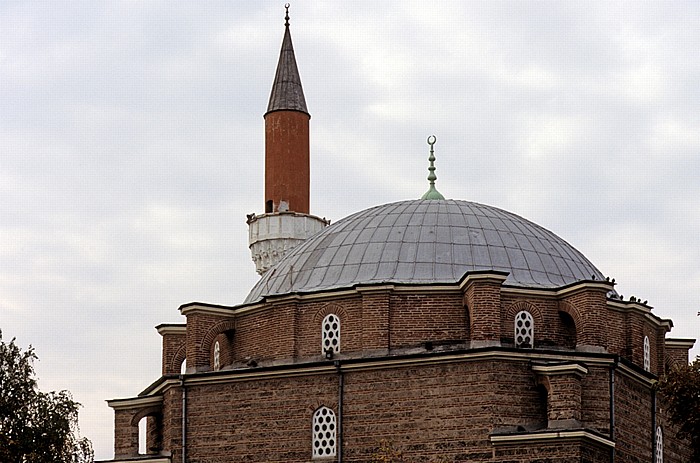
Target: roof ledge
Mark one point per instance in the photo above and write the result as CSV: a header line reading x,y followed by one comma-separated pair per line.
x,y
559,369
125,404
679,343
470,277
203,307
539,437
171,328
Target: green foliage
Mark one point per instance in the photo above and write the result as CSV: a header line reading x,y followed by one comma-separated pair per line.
x,y
681,387
35,427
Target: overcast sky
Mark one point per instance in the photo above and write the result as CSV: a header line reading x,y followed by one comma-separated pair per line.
x,y
132,144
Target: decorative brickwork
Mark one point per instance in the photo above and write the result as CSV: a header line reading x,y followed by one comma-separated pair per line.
x,y
223,332
178,357
327,309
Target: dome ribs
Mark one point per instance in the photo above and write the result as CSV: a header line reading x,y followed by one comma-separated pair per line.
x,y
426,242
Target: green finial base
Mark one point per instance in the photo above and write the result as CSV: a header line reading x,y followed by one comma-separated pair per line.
x,y
432,193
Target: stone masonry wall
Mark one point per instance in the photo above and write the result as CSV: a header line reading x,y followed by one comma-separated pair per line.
x,y
445,410
633,421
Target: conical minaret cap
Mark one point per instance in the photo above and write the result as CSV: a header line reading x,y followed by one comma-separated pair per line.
x,y
287,93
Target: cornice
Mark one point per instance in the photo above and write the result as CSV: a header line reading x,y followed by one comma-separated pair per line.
x,y
641,309
644,377
378,363
679,343
362,289
567,290
125,404
550,436
210,309
172,328
560,369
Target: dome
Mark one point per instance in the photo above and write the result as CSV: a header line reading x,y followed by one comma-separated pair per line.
x,y
426,242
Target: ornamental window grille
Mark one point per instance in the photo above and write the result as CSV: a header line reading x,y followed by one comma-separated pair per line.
x,y
330,334
524,329
659,445
217,356
324,430
647,354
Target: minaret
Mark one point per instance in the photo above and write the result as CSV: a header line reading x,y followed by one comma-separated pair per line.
x,y
286,221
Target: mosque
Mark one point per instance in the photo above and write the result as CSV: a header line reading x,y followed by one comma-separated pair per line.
x,y
447,330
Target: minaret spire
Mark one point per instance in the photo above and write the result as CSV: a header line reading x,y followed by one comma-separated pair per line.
x,y
432,192
287,136
287,92
286,221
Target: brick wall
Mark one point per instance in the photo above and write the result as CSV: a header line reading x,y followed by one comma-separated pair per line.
x,y
595,399
174,351
483,301
592,307
380,319
633,420
263,421
419,317
445,409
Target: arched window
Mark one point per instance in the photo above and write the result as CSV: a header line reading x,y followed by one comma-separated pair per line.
x,y
647,354
659,445
524,329
143,428
330,334
323,443
217,356
183,367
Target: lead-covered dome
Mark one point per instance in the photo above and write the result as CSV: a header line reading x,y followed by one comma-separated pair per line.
x,y
426,242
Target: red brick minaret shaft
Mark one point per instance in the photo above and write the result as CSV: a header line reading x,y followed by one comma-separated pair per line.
x,y
286,222
287,137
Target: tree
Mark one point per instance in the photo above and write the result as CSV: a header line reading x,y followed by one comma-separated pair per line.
x,y
681,388
36,427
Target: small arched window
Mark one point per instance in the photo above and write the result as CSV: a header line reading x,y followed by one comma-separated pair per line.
x,y
659,445
524,329
324,428
330,334
217,356
647,354
143,429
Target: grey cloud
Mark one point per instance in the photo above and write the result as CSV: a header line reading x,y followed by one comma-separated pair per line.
x,y
131,145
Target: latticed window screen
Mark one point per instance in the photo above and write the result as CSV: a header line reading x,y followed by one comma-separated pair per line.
x,y
330,333
324,428
647,354
659,446
217,356
524,329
